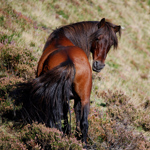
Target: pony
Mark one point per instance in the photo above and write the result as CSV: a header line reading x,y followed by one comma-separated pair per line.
x,y
64,73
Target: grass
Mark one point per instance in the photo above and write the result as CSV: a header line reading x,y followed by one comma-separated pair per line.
x,y
120,98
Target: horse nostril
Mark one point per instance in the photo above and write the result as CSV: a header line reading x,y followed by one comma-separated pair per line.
x,y
95,64
98,65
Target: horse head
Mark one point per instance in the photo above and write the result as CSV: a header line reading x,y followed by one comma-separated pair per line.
x,y
102,40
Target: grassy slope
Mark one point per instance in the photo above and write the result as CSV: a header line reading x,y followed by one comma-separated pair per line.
x,y
25,26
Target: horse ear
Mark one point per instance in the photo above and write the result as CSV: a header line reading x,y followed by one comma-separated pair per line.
x,y
117,29
101,23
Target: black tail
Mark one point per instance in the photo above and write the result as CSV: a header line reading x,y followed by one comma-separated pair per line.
x,y
50,95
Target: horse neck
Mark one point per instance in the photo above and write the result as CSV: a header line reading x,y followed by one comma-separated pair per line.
x,y
79,34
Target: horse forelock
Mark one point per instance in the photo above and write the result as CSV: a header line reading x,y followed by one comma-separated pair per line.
x,y
107,33
112,35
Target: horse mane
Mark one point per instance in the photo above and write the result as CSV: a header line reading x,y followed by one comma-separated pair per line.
x,y
78,33
82,34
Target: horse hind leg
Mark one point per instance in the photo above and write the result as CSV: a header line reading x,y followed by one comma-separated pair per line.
x,y
83,86
66,125
82,111
84,122
81,119
77,109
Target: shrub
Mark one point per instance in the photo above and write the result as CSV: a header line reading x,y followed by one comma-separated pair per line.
x,y
18,61
8,141
114,127
120,108
108,133
37,136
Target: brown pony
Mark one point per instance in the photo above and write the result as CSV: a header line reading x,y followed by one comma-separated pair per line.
x,y
64,72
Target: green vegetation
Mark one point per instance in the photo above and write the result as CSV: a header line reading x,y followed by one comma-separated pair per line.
x,y
120,100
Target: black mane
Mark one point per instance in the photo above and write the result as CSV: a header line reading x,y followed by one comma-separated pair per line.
x,y
82,34
78,33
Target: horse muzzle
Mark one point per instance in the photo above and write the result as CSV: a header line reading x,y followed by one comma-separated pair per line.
x,y
98,66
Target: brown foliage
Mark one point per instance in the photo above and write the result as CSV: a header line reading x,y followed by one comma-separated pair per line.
x,y
37,136
17,61
114,128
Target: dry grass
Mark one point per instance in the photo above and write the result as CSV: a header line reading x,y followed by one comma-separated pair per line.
x,y
24,28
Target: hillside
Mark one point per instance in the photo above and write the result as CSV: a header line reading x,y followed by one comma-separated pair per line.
x,y
120,100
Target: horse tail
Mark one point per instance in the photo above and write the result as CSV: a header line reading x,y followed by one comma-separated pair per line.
x,y
50,95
